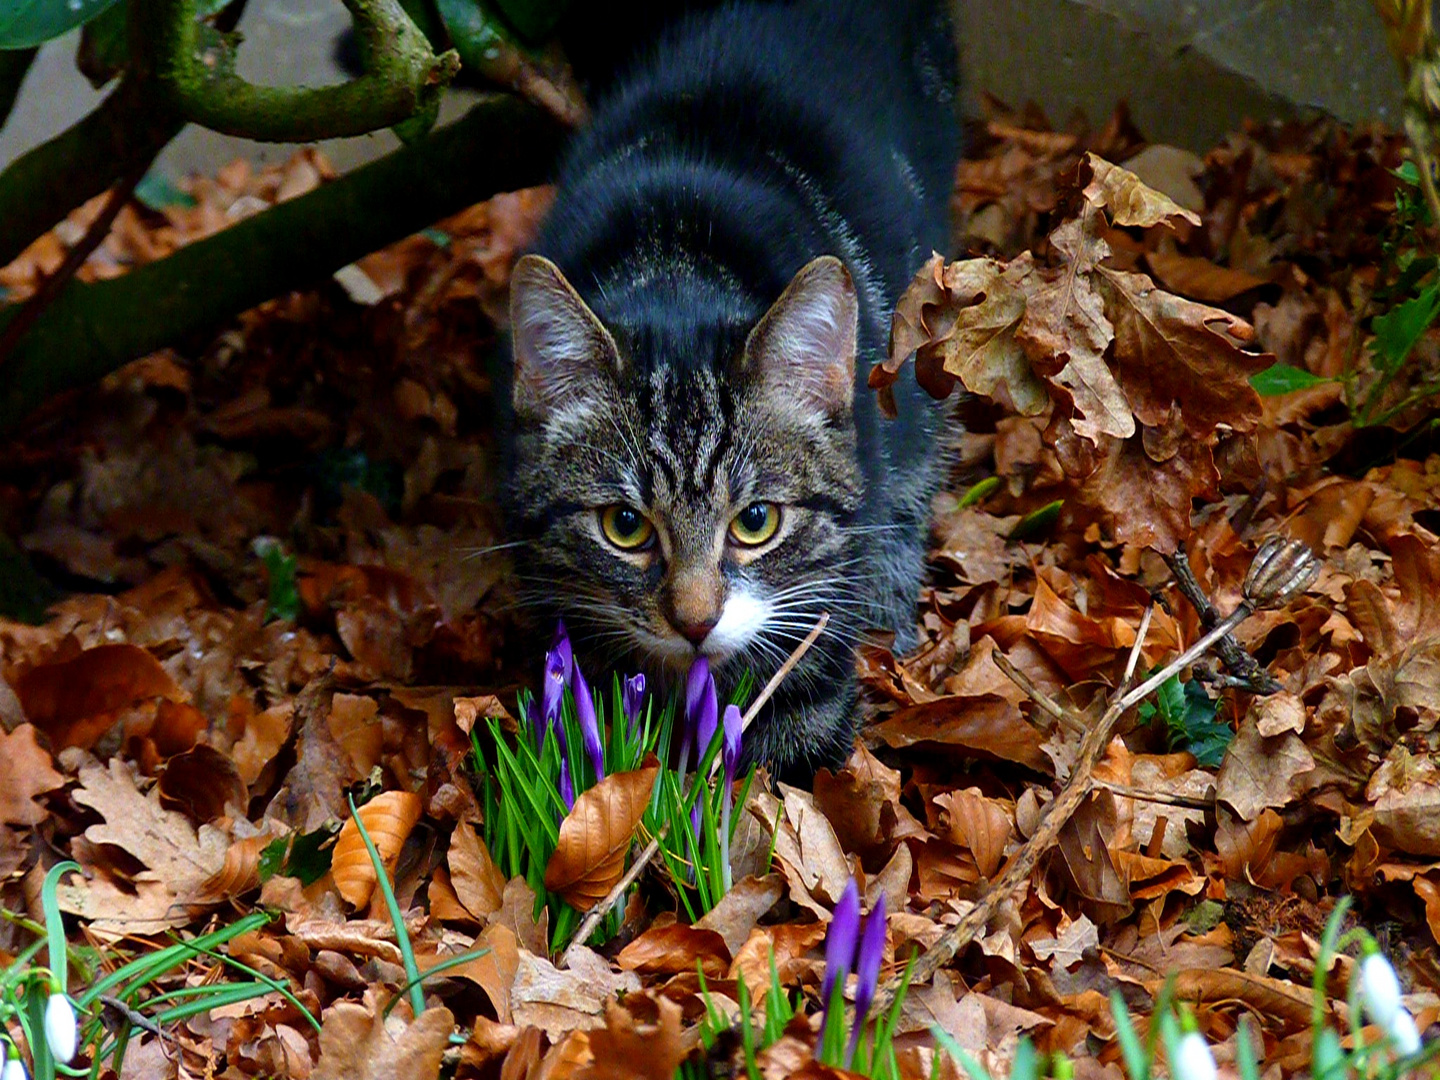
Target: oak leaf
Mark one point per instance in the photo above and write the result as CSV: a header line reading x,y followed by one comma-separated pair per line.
x,y
26,771
359,1042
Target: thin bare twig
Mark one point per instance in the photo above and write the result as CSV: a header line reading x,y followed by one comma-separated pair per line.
x,y
75,258
1165,797
600,910
1048,704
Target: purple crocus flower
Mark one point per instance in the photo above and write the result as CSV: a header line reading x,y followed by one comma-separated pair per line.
x,y
841,942
702,706
559,662
632,700
589,724
730,757
867,969
694,693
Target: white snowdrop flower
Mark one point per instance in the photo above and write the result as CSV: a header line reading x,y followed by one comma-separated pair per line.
x,y
1404,1034
61,1034
13,1070
1193,1060
1380,990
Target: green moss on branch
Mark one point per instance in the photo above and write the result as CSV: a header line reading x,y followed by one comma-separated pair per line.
x,y
195,69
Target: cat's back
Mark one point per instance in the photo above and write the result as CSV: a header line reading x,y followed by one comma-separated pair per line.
x,y
758,134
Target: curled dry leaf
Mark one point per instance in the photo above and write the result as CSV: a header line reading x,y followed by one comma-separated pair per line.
x,y
240,872
669,950
74,701
625,1049
1127,197
595,836
358,1042
388,819
478,883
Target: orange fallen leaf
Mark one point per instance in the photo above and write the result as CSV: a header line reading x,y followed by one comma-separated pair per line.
x,y
595,836
73,701
669,950
388,819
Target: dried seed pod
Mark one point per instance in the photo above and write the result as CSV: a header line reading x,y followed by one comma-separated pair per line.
x,y
1281,570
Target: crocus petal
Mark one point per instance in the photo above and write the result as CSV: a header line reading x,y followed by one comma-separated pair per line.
x,y
695,684
552,688
633,699
1193,1059
707,720
867,969
730,748
61,1033
1404,1033
589,724
1380,990
841,940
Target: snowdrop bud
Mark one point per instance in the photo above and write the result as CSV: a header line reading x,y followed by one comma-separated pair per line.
x,y
61,1034
1380,990
1193,1060
13,1070
1404,1034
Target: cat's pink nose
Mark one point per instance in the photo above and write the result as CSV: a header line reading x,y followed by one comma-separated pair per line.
x,y
696,632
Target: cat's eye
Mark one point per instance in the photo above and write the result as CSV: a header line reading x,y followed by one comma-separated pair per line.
x,y
626,527
755,524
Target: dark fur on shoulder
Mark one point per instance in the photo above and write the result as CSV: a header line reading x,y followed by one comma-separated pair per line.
x,y
686,365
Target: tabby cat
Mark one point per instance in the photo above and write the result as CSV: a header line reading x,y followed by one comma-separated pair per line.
x,y
696,465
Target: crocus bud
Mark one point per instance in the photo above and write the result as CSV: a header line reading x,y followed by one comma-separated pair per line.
x,y
841,941
61,1034
734,726
589,725
1193,1059
559,662
706,713
867,968
632,699
694,693
1380,990
1404,1034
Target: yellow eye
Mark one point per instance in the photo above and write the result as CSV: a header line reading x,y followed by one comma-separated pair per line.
x,y
755,524
626,527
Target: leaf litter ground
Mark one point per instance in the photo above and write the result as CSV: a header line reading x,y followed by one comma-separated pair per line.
x,y
162,727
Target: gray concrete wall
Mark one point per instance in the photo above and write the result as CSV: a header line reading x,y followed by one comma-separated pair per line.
x,y
1190,70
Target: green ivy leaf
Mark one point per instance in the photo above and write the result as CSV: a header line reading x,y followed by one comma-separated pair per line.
x,y
284,600
1283,379
31,22
1190,720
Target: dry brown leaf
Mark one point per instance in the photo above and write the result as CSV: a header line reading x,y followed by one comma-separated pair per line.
x,y
670,950
627,1050
178,860
357,1042
596,835
240,872
74,701
737,912
1128,199
978,824
477,881
388,818
559,1001
26,771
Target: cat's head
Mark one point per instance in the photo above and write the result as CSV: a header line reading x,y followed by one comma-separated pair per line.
x,y
686,492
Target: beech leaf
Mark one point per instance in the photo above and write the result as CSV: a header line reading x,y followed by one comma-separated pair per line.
x,y
595,836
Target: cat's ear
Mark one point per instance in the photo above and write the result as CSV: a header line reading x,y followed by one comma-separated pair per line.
x,y
563,354
803,350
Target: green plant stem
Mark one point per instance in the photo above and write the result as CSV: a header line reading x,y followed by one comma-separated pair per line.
x,y
397,917
92,329
196,73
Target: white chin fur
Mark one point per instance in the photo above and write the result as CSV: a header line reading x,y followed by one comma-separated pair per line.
x,y
740,620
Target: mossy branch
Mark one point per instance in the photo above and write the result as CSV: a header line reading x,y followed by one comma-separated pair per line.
x,y
194,68
92,329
